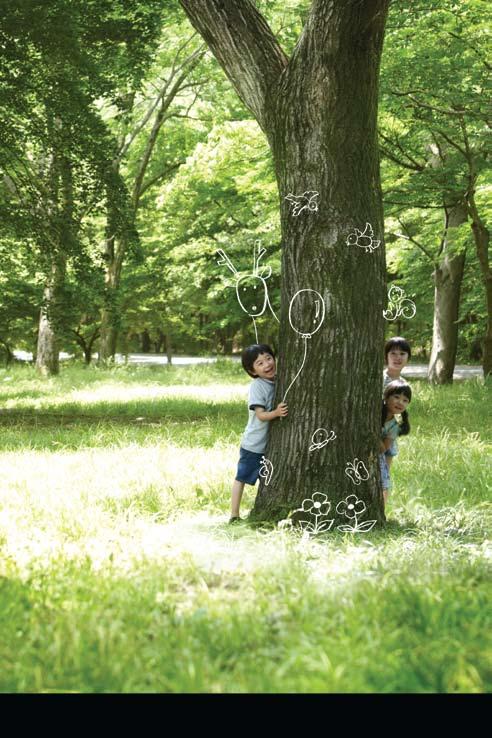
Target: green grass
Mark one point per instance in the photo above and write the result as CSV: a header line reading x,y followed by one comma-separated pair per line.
x,y
118,571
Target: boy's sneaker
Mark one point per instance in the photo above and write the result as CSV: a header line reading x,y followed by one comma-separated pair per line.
x,y
234,519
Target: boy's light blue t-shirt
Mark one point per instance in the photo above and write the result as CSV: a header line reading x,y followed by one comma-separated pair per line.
x,y
261,394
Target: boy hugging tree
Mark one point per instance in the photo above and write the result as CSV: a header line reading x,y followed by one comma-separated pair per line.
x,y
258,361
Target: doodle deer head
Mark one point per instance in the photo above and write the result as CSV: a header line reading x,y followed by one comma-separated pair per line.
x,y
251,289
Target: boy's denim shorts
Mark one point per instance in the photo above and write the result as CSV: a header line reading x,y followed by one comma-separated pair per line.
x,y
248,468
385,475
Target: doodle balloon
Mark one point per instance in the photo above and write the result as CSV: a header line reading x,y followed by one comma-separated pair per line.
x,y
306,312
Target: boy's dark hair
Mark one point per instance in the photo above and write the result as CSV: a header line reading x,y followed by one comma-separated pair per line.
x,y
251,353
397,387
396,342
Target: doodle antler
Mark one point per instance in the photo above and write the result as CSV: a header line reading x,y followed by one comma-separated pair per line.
x,y
224,259
258,252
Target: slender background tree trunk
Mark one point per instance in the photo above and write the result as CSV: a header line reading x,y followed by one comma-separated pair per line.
x,y
47,352
61,226
448,277
481,237
110,314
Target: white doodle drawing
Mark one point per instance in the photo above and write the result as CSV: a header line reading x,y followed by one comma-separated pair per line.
x,y
251,289
318,507
266,470
399,305
363,239
356,471
306,201
313,319
320,438
352,507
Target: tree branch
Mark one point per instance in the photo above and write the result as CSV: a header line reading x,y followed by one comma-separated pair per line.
x,y
157,177
470,46
188,64
419,104
245,47
414,165
451,142
166,101
413,240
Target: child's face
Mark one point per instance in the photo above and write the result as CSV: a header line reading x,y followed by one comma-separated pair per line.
x,y
264,366
397,359
397,403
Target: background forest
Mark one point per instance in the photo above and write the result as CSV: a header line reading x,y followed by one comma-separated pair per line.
x,y
127,160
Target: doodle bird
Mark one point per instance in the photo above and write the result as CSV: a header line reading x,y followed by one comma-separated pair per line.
x,y
306,201
363,239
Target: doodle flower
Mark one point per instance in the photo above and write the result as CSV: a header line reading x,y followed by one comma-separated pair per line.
x,y
350,507
317,505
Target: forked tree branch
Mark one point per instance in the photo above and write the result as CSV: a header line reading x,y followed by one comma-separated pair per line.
x,y
245,47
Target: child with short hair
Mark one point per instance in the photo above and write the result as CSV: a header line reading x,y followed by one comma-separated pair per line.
x,y
258,361
396,397
397,354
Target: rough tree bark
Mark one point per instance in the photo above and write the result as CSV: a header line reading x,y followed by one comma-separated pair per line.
x,y
318,111
448,276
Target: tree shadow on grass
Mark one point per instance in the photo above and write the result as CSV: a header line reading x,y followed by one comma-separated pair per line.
x,y
102,424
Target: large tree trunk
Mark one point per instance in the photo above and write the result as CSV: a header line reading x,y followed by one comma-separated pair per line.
x,y
319,111
448,277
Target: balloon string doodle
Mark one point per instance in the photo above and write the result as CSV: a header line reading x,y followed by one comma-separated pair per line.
x,y
271,309
301,368
314,324
256,332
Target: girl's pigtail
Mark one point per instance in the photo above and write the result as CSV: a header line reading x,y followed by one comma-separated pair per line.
x,y
404,426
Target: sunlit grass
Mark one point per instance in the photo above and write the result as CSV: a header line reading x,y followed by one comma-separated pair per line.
x,y
118,571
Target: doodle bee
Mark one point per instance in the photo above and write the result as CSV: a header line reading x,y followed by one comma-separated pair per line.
x,y
363,239
306,201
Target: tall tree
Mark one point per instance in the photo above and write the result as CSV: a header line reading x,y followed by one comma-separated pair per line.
x,y
142,129
448,264
57,60
318,110
434,129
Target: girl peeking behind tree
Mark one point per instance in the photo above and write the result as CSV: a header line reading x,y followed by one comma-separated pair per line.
x,y
396,398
